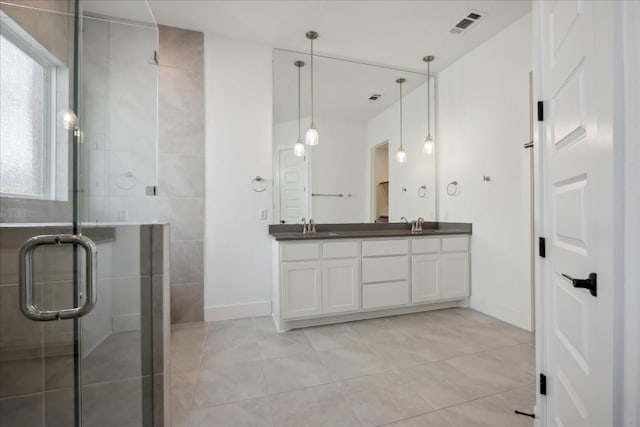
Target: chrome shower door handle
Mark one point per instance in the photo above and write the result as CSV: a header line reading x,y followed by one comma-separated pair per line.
x,y
27,306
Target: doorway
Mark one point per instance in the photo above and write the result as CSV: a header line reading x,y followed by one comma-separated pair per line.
x,y
380,189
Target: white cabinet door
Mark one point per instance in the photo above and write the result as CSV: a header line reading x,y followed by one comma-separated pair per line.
x,y
301,289
454,268
425,278
340,285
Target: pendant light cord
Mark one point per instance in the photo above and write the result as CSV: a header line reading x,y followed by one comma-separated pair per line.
x,y
401,116
299,126
311,82
428,98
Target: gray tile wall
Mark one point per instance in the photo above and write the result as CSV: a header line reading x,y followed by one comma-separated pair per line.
x,y
181,166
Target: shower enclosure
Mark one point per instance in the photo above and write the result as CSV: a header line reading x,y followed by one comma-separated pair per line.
x,y
83,262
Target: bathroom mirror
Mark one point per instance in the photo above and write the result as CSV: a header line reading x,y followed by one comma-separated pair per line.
x,y
352,174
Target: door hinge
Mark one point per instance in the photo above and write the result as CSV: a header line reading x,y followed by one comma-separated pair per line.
x,y
540,111
542,247
156,57
543,384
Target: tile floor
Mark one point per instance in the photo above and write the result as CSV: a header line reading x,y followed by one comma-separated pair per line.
x,y
444,368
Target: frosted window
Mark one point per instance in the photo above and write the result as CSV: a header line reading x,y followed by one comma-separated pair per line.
x,y
24,123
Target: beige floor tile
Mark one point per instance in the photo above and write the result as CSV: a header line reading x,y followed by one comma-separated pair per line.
x,y
295,372
230,354
352,361
264,326
499,369
403,353
229,384
189,335
331,336
440,369
285,344
248,413
322,406
493,411
185,358
382,398
432,419
442,385
375,330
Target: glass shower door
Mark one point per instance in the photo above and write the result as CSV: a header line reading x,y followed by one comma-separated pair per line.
x,y
76,329
41,275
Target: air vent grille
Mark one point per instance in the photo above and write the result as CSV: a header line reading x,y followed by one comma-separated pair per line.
x,y
374,97
466,22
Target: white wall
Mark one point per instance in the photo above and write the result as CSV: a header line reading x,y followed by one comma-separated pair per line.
x,y
419,169
238,99
483,110
338,165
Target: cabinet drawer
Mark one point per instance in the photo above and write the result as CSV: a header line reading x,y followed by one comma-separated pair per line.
x,y
385,247
455,244
427,245
385,269
385,294
340,250
299,251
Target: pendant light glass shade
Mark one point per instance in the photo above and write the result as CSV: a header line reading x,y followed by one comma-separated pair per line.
x,y
298,148
311,137
429,144
401,155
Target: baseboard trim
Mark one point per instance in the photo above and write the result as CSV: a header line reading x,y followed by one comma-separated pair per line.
x,y
506,314
237,311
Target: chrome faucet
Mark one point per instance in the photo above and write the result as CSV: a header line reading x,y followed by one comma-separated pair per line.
x,y
418,223
404,219
308,228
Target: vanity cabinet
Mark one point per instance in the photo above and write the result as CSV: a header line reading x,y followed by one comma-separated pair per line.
x,y
314,280
301,289
440,268
319,278
340,285
426,285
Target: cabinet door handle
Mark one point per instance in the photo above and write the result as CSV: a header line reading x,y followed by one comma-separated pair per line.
x,y
590,283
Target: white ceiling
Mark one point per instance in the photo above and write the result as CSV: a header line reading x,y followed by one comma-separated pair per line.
x,y
342,88
397,33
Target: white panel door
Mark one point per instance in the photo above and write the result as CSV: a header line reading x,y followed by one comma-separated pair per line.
x,y
294,185
454,270
575,150
340,285
301,289
425,278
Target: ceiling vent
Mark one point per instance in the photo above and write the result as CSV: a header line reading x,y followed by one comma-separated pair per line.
x,y
374,97
467,22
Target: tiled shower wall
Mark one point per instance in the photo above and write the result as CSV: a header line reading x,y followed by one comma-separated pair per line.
x,y
181,166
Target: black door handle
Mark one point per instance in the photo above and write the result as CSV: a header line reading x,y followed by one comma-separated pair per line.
x,y
590,283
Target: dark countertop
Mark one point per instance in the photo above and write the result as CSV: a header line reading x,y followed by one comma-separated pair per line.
x,y
286,232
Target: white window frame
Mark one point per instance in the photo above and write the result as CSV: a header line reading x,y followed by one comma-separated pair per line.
x,y
56,86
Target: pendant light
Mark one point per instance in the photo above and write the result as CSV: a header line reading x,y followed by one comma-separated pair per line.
x,y
429,145
298,148
401,155
311,137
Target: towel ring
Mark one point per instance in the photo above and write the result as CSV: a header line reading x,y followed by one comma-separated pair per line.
x,y
259,184
126,181
422,192
452,188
